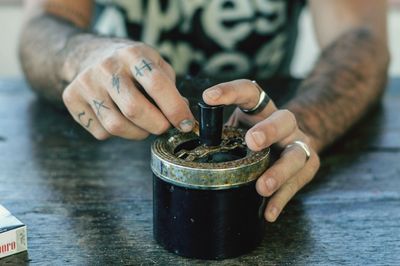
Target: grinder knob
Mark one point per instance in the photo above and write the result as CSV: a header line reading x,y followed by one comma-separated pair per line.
x,y
211,119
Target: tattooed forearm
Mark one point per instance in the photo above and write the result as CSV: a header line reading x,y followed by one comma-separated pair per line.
x,y
53,52
140,69
41,43
348,78
99,105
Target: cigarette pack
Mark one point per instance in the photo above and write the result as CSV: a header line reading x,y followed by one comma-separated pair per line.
x,y
12,234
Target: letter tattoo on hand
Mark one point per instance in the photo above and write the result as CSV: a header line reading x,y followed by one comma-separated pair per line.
x,y
98,105
87,125
115,82
142,68
81,114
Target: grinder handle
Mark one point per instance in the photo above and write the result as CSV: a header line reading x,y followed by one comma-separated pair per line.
x,y
211,122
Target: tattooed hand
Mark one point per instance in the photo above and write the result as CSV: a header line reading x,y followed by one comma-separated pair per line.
x,y
106,100
270,127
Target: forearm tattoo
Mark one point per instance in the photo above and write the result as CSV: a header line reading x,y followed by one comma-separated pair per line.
x,y
115,82
99,105
348,78
141,68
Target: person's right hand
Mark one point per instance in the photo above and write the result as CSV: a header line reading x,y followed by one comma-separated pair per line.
x,y
105,99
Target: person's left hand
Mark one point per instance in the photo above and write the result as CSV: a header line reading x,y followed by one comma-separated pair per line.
x,y
275,127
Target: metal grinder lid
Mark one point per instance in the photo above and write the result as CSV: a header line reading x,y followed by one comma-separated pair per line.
x,y
205,175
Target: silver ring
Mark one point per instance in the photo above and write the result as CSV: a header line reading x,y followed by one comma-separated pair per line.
x,y
262,101
302,145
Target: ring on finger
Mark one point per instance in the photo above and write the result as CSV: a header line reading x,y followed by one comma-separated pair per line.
x,y
303,146
263,101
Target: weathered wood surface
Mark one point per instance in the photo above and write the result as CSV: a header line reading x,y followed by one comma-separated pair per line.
x,y
90,203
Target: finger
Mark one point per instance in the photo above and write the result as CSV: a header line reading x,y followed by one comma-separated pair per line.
x,y
274,128
234,119
114,122
242,93
132,103
279,200
186,100
167,68
163,91
240,117
292,160
107,113
83,114
296,135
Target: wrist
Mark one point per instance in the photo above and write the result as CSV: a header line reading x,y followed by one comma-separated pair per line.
x,y
71,59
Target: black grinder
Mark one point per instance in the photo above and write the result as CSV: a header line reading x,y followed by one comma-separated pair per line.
x,y
205,204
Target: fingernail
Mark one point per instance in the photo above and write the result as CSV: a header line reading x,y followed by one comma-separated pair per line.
x,y
258,137
273,213
186,125
213,93
271,184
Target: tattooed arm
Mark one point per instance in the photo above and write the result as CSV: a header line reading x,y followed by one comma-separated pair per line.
x,y
44,43
350,74
348,78
96,77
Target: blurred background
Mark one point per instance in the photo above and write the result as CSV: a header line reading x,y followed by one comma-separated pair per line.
x,y
307,49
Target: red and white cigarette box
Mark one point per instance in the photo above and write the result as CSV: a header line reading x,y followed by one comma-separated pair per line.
x,y
13,238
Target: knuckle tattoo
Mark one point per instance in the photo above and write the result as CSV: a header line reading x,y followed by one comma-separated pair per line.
x,y
87,125
86,122
143,67
115,82
98,105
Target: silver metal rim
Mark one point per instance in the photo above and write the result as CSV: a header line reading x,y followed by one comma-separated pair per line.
x,y
204,175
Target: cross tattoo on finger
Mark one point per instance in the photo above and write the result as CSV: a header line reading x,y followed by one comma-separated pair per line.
x,y
142,68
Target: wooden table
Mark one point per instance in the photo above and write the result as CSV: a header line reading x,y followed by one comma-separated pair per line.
x,y
90,203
